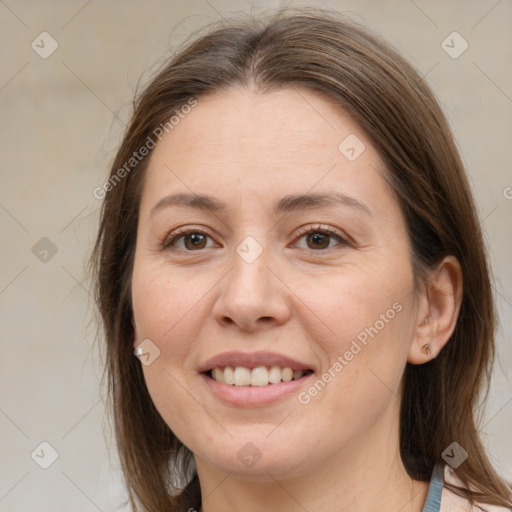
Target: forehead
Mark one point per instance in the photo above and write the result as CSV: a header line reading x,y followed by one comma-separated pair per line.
x,y
260,144
290,118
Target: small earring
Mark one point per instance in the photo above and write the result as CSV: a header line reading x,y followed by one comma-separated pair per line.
x,y
427,348
426,321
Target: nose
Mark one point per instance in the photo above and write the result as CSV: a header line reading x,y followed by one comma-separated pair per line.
x,y
252,295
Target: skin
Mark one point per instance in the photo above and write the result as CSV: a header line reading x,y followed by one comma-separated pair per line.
x,y
340,451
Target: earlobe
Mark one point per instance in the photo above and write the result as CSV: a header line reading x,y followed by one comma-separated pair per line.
x,y
422,348
439,312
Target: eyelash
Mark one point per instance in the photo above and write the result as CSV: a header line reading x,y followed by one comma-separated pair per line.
x,y
325,230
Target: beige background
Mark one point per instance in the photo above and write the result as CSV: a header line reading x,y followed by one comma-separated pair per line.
x,y
61,119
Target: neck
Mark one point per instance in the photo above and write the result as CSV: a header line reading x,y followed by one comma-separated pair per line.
x,y
367,475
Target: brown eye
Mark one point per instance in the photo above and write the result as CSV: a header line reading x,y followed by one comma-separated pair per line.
x,y
321,238
195,241
318,240
187,240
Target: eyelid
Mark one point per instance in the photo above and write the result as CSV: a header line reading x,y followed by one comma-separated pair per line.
x,y
311,228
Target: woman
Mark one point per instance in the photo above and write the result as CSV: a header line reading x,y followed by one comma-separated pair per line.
x,y
289,245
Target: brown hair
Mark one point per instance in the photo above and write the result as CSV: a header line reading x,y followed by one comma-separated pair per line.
x,y
324,52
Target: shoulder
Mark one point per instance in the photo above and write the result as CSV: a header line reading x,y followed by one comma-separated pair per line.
x,y
451,502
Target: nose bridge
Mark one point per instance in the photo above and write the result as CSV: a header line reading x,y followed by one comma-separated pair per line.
x,y
251,292
249,269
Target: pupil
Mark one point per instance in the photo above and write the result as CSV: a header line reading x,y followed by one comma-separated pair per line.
x,y
317,238
196,239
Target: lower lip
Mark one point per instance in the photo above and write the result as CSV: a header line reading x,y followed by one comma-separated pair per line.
x,y
250,396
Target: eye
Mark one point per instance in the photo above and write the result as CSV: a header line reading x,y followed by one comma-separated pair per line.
x,y
319,238
187,239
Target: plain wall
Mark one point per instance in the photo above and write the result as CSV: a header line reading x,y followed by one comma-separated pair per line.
x,y
61,120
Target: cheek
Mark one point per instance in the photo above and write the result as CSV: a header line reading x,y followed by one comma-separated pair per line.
x,y
365,332
184,411
359,303
166,305
168,310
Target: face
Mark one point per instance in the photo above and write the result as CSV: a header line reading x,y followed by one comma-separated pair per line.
x,y
295,266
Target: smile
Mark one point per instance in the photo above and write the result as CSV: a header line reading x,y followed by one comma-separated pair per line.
x,y
254,379
257,377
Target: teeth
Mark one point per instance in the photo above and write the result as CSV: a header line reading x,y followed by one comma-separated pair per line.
x,y
242,376
218,375
287,374
260,376
229,375
274,375
297,374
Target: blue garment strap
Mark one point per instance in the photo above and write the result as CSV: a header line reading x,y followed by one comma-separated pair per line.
x,y
433,501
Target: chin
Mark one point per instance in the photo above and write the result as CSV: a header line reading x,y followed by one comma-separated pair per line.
x,y
256,460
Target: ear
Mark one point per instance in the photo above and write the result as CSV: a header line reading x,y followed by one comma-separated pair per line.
x,y
438,310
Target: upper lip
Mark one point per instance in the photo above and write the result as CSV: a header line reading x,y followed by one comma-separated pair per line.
x,y
251,360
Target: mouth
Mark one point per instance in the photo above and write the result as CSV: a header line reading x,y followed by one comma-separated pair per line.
x,y
259,376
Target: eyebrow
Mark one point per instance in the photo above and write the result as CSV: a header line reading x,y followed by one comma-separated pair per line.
x,y
286,204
